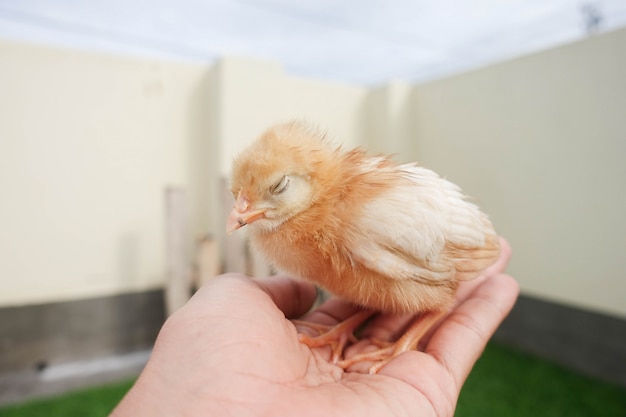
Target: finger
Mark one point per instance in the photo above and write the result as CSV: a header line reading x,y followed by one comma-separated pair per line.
x,y
461,338
292,297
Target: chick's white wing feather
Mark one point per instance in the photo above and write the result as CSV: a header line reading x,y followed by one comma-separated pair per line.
x,y
403,233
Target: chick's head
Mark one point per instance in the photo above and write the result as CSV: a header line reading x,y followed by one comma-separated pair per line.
x,y
274,179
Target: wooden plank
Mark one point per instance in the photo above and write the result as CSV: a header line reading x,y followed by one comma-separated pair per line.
x,y
178,283
208,262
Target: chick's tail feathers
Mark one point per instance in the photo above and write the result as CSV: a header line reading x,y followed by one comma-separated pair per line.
x,y
470,262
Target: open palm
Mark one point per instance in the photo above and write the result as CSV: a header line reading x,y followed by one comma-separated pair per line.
x,y
233,351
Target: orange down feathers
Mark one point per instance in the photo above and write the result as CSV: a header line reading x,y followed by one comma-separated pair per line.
x,y
388,237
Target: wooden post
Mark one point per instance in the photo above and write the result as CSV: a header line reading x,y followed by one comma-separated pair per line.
x,y
178,285
208,263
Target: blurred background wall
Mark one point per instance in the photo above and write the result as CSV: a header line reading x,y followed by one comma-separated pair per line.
x,y
540,142
89,142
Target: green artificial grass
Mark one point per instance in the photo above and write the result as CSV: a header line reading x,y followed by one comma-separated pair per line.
x,y
508,383
91,402
504,383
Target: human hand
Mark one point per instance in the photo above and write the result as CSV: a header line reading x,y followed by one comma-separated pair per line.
x,y
232,351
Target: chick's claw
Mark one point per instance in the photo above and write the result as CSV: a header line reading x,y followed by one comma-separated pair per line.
x,y
337,336
336,342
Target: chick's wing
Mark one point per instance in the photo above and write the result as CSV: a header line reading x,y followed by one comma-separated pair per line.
x,y
407,232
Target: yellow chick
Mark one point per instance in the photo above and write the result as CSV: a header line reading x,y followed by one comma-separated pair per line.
x,y
385,236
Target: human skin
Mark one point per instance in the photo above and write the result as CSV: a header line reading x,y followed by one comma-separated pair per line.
x,y
233,351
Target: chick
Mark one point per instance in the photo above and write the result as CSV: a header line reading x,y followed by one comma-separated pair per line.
x,y
387,237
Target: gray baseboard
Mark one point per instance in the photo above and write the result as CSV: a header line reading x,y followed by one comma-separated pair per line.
x,y
51,348
591,343
48,348
28,384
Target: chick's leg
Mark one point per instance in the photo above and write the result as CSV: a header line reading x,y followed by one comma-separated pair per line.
x,y
408,341
337,336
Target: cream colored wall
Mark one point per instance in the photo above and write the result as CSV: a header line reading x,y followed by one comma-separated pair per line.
x,y
257,94
88,143
388,121
540,142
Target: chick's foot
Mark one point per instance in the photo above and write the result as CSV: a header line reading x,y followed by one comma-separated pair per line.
x,y
337,336
388,351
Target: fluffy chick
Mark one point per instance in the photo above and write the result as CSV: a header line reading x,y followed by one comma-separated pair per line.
x,y
387,237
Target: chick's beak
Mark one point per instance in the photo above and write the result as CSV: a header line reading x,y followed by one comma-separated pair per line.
x,y
242,214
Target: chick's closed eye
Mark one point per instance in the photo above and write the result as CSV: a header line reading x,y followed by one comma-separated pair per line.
x,y
280,186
